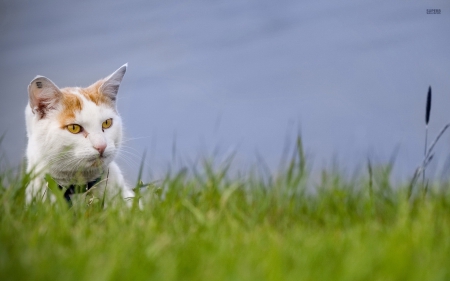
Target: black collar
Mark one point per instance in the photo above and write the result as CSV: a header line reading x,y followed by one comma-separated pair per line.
x,y
74,189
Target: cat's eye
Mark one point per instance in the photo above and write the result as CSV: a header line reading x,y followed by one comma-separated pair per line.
x,y
74,128
107,123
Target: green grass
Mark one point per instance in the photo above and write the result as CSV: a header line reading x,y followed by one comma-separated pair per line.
x,y
213,226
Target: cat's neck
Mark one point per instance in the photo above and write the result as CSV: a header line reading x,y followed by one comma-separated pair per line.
x,y
65,178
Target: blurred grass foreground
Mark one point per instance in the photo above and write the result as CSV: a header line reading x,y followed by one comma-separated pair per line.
x,y
205,224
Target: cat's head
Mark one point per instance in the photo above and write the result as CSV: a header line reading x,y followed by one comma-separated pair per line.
x,y
75,128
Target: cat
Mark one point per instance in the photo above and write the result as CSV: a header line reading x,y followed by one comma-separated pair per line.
x,y
73,136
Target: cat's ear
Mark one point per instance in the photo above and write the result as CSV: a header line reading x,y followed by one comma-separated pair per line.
x,y
111,84
43,95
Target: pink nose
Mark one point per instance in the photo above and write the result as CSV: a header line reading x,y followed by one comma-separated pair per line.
x,y
100,148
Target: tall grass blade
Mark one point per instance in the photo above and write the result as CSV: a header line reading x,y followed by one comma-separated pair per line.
x,y
427,119
428,109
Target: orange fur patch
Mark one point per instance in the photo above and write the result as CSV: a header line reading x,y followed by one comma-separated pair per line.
x,y
93,94
71,104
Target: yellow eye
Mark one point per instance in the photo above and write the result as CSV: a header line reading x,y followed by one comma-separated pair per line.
x,y
74,128
107,123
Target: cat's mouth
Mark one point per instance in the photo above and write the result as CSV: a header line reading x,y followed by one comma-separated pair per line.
x,y
96,161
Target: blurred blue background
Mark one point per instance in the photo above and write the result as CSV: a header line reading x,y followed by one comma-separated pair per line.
x,y
217,77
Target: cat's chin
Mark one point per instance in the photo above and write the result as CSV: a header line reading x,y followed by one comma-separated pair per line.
x,y
89,168
98,161
85,173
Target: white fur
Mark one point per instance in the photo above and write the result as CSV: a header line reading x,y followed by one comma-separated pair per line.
x,y
69,158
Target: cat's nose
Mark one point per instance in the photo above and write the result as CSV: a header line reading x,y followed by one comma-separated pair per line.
x,y
100,148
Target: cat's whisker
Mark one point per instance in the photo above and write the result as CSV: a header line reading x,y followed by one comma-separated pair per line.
x,y
59,156
129,161
129,153
126,139
128,157
127,164
128,148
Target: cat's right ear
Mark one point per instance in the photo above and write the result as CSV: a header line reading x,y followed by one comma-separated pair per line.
x,y
43,95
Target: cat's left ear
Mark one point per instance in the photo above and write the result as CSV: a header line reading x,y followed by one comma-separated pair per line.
x,y
111,85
